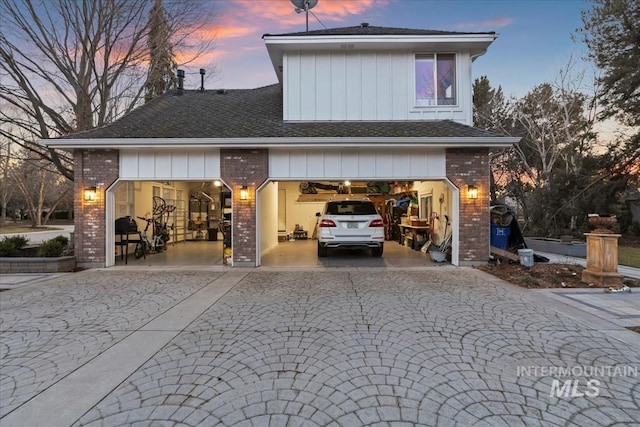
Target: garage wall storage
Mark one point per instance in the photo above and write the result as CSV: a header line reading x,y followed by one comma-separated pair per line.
x,y
400,164
184,164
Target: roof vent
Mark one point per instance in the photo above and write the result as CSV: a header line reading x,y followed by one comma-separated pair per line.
x,y
364,24
180,82
221,91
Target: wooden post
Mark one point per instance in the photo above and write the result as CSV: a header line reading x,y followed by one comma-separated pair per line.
x,y
602,260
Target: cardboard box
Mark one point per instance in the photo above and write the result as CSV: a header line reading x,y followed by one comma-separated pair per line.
x,y
420,222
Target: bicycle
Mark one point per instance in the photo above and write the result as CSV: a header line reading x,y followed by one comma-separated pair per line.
x,y
157,243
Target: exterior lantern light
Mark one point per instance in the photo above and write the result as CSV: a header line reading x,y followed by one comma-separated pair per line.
x,y
472,192
244,193
347,183
90,194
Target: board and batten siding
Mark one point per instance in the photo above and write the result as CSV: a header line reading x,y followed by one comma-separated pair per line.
x,y
398,164
369,86
170,165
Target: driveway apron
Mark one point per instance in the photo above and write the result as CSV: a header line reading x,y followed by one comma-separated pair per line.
x,y
343,346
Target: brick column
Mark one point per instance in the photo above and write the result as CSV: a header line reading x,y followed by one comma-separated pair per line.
x,y
238,168
92,168
471,167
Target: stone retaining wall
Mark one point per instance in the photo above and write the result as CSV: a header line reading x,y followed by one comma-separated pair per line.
x,y
557,247
13,265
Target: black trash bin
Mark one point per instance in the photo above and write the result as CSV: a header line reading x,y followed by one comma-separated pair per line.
x,y
212,234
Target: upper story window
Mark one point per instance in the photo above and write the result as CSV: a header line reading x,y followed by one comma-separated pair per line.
x,y
435,79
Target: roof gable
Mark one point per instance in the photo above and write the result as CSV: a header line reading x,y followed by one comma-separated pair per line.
x,y
372,38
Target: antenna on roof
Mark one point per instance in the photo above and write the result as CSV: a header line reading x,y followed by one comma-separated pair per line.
x,y
304,5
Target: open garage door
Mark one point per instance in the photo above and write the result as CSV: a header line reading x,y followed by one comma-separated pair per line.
x,y
419,174
414,213
197,206
178,223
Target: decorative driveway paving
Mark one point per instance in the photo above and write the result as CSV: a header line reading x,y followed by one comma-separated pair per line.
x,y
50,330
345,347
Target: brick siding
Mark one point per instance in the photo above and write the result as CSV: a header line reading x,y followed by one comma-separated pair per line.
x,y
93,168
471,167
238,168
100,168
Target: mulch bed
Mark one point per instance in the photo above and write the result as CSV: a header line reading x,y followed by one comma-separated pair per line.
x,y
540,276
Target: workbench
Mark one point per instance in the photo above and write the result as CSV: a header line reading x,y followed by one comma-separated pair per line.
x,y
422,230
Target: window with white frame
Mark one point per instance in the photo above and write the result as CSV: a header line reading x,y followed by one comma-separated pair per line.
x,y
435,75
426,206
124,199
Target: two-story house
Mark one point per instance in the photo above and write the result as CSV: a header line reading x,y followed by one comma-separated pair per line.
x,y
364,104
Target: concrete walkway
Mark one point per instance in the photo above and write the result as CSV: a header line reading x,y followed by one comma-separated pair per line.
x,y
324,346
564,259
37,237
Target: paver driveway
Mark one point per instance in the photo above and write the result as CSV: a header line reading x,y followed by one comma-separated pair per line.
x,y
430,346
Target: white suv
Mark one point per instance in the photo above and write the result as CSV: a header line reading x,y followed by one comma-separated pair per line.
x,y
350,223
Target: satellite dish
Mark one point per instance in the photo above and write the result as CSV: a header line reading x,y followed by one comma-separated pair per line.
x,y
304,5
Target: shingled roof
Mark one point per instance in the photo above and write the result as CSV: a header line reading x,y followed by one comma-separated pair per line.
x,y
255,113
365,29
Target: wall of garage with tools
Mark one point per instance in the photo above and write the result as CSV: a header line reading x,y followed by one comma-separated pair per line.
x,y
425,202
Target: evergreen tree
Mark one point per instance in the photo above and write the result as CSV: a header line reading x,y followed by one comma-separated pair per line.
x,y
161,76
612,33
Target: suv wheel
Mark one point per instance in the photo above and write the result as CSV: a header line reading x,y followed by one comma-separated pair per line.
x,y
322,250
377,252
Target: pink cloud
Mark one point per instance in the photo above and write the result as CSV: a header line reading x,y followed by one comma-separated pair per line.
x,y
488,24
244,17
239,25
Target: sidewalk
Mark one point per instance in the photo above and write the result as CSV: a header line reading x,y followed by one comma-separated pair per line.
x,y
37,237
564,259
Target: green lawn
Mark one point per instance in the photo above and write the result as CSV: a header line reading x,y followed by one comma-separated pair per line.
x,y
629,256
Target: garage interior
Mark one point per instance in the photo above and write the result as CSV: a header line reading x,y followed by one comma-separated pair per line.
x,y
195,214
199,212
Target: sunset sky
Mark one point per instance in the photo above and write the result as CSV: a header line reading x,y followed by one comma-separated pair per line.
x,y
534,43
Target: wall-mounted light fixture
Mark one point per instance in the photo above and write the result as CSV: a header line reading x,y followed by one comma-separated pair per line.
x,y
244,193
90,194
217,183
472,192
347,183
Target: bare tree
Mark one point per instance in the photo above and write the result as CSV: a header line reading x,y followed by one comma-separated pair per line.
x,y
556,158
68,66
41,186
555,121
6,189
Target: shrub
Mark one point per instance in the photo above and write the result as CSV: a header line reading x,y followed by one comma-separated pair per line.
x,y
6,247
51,248
18,241
62,239
9,245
